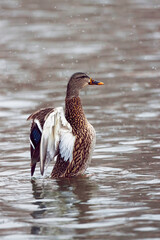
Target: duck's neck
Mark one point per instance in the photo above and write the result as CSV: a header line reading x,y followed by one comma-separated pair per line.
x,y
74,113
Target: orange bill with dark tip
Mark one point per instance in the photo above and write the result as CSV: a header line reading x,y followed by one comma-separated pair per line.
x,y
93,82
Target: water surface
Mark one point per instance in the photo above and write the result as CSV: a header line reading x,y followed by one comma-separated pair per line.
x,y
118,42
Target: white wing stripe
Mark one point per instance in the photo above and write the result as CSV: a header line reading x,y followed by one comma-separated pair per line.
x,y
38,124
31,143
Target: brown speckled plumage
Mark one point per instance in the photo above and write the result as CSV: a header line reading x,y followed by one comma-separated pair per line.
x,y
85,135
82,132
41,115
74,114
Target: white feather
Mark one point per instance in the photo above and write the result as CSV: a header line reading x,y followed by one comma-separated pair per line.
x,y
57,133
31,143
38,124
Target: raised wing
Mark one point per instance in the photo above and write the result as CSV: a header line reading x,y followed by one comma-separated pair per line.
x,y
57,137
38,118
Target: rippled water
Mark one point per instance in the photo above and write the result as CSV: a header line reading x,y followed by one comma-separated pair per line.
x,y
118,42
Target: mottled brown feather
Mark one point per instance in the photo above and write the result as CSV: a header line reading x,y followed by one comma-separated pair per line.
x,y
41,115
84,137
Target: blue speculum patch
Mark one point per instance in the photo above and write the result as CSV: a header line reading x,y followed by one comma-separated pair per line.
x,y
35,136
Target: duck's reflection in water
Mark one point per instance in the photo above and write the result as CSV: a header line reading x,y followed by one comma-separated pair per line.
x,y
61,202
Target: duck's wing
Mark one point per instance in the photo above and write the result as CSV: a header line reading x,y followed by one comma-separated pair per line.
x,y
38,119
57,138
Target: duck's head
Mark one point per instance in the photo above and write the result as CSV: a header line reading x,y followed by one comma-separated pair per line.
x,y
78,81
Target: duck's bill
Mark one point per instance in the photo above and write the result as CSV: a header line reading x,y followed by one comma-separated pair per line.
x,y
93,82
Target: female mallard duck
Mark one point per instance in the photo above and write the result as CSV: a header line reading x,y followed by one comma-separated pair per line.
x,y
69,138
